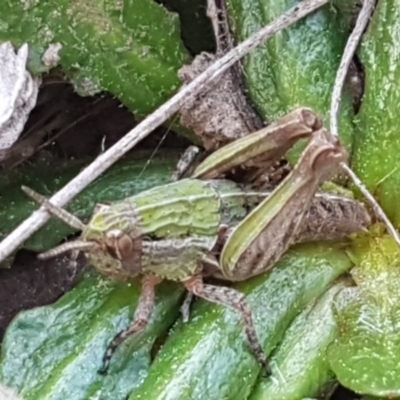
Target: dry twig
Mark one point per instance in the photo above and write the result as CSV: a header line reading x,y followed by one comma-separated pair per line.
x,y
204,81
348,54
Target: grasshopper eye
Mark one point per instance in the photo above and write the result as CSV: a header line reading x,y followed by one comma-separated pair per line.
x,y
119,244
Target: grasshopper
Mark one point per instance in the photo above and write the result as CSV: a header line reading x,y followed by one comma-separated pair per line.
x,y
207,225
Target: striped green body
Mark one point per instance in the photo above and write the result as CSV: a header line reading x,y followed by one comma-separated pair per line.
x,y
175,225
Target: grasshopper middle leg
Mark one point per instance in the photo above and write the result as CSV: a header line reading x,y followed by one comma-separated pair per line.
x,y
141,319
231,298
185,163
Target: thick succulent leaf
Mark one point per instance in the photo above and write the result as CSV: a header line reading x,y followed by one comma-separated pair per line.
x,y
299,365
377,142
365,357
54,352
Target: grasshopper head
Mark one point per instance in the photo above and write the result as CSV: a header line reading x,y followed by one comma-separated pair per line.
x,y
112,243
116,254
117,245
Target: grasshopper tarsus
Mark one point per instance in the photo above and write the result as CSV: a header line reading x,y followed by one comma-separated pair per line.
x,y
231,298
266,370
104,369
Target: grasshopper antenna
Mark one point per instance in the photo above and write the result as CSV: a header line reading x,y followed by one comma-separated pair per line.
x,y
77,245
69,219
154,152
59,212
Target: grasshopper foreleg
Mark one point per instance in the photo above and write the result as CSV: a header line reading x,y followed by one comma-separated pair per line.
x,y
73,264
231,298
141,319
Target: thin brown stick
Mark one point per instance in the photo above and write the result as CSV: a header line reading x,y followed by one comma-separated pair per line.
x,y
374,204
38,218
348,54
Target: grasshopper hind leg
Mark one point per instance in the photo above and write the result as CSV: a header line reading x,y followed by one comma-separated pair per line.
x,y
141,319
231,298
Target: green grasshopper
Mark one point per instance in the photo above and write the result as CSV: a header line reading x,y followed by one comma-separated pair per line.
x,y
207,225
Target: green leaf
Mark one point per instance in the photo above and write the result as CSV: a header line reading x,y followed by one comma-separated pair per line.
x,y
132,49
365,356
377,143
54,352
299,365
